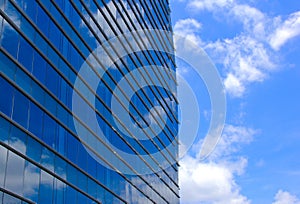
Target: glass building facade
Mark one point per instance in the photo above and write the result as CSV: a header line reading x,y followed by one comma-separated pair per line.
x,y
43,45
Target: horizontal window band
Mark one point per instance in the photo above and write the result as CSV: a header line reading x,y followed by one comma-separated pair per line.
x,y
47,171
42,143
15,195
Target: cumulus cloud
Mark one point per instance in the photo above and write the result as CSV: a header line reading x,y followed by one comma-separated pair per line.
x,y
190,29
284,197
250,55
213,181
208,182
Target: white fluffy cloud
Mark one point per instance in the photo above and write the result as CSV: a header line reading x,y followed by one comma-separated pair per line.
x,y
190,29
249,56
286,31
245,60
284,197
208,182
213,181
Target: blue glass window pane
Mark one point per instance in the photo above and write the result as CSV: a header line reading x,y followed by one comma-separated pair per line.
x,y
72,146
6,93
52,80
50,103
63,91
59,194
54,35
71,125
4,130
31,182
60,167
65,46
37,93
25,54
82,157
35,120
35,150
61,140
7,66
20,112
42,21
71,174
70,195
69,97
91,166
62,114
23,81
18,139
14,173
3,155
101,172
49,131
46,188
47,159
39,67
10,40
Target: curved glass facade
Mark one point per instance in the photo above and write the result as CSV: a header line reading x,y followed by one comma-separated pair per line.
x,y
43,45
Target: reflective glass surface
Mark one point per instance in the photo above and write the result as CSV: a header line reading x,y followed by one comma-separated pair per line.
x,y
43,45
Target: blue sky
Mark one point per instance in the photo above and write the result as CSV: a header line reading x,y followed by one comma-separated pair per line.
x,y
255,46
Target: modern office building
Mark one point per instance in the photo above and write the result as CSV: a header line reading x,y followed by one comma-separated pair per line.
x,y
51,154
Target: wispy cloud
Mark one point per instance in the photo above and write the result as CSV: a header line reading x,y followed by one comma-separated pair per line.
x,y
209,4
286,30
